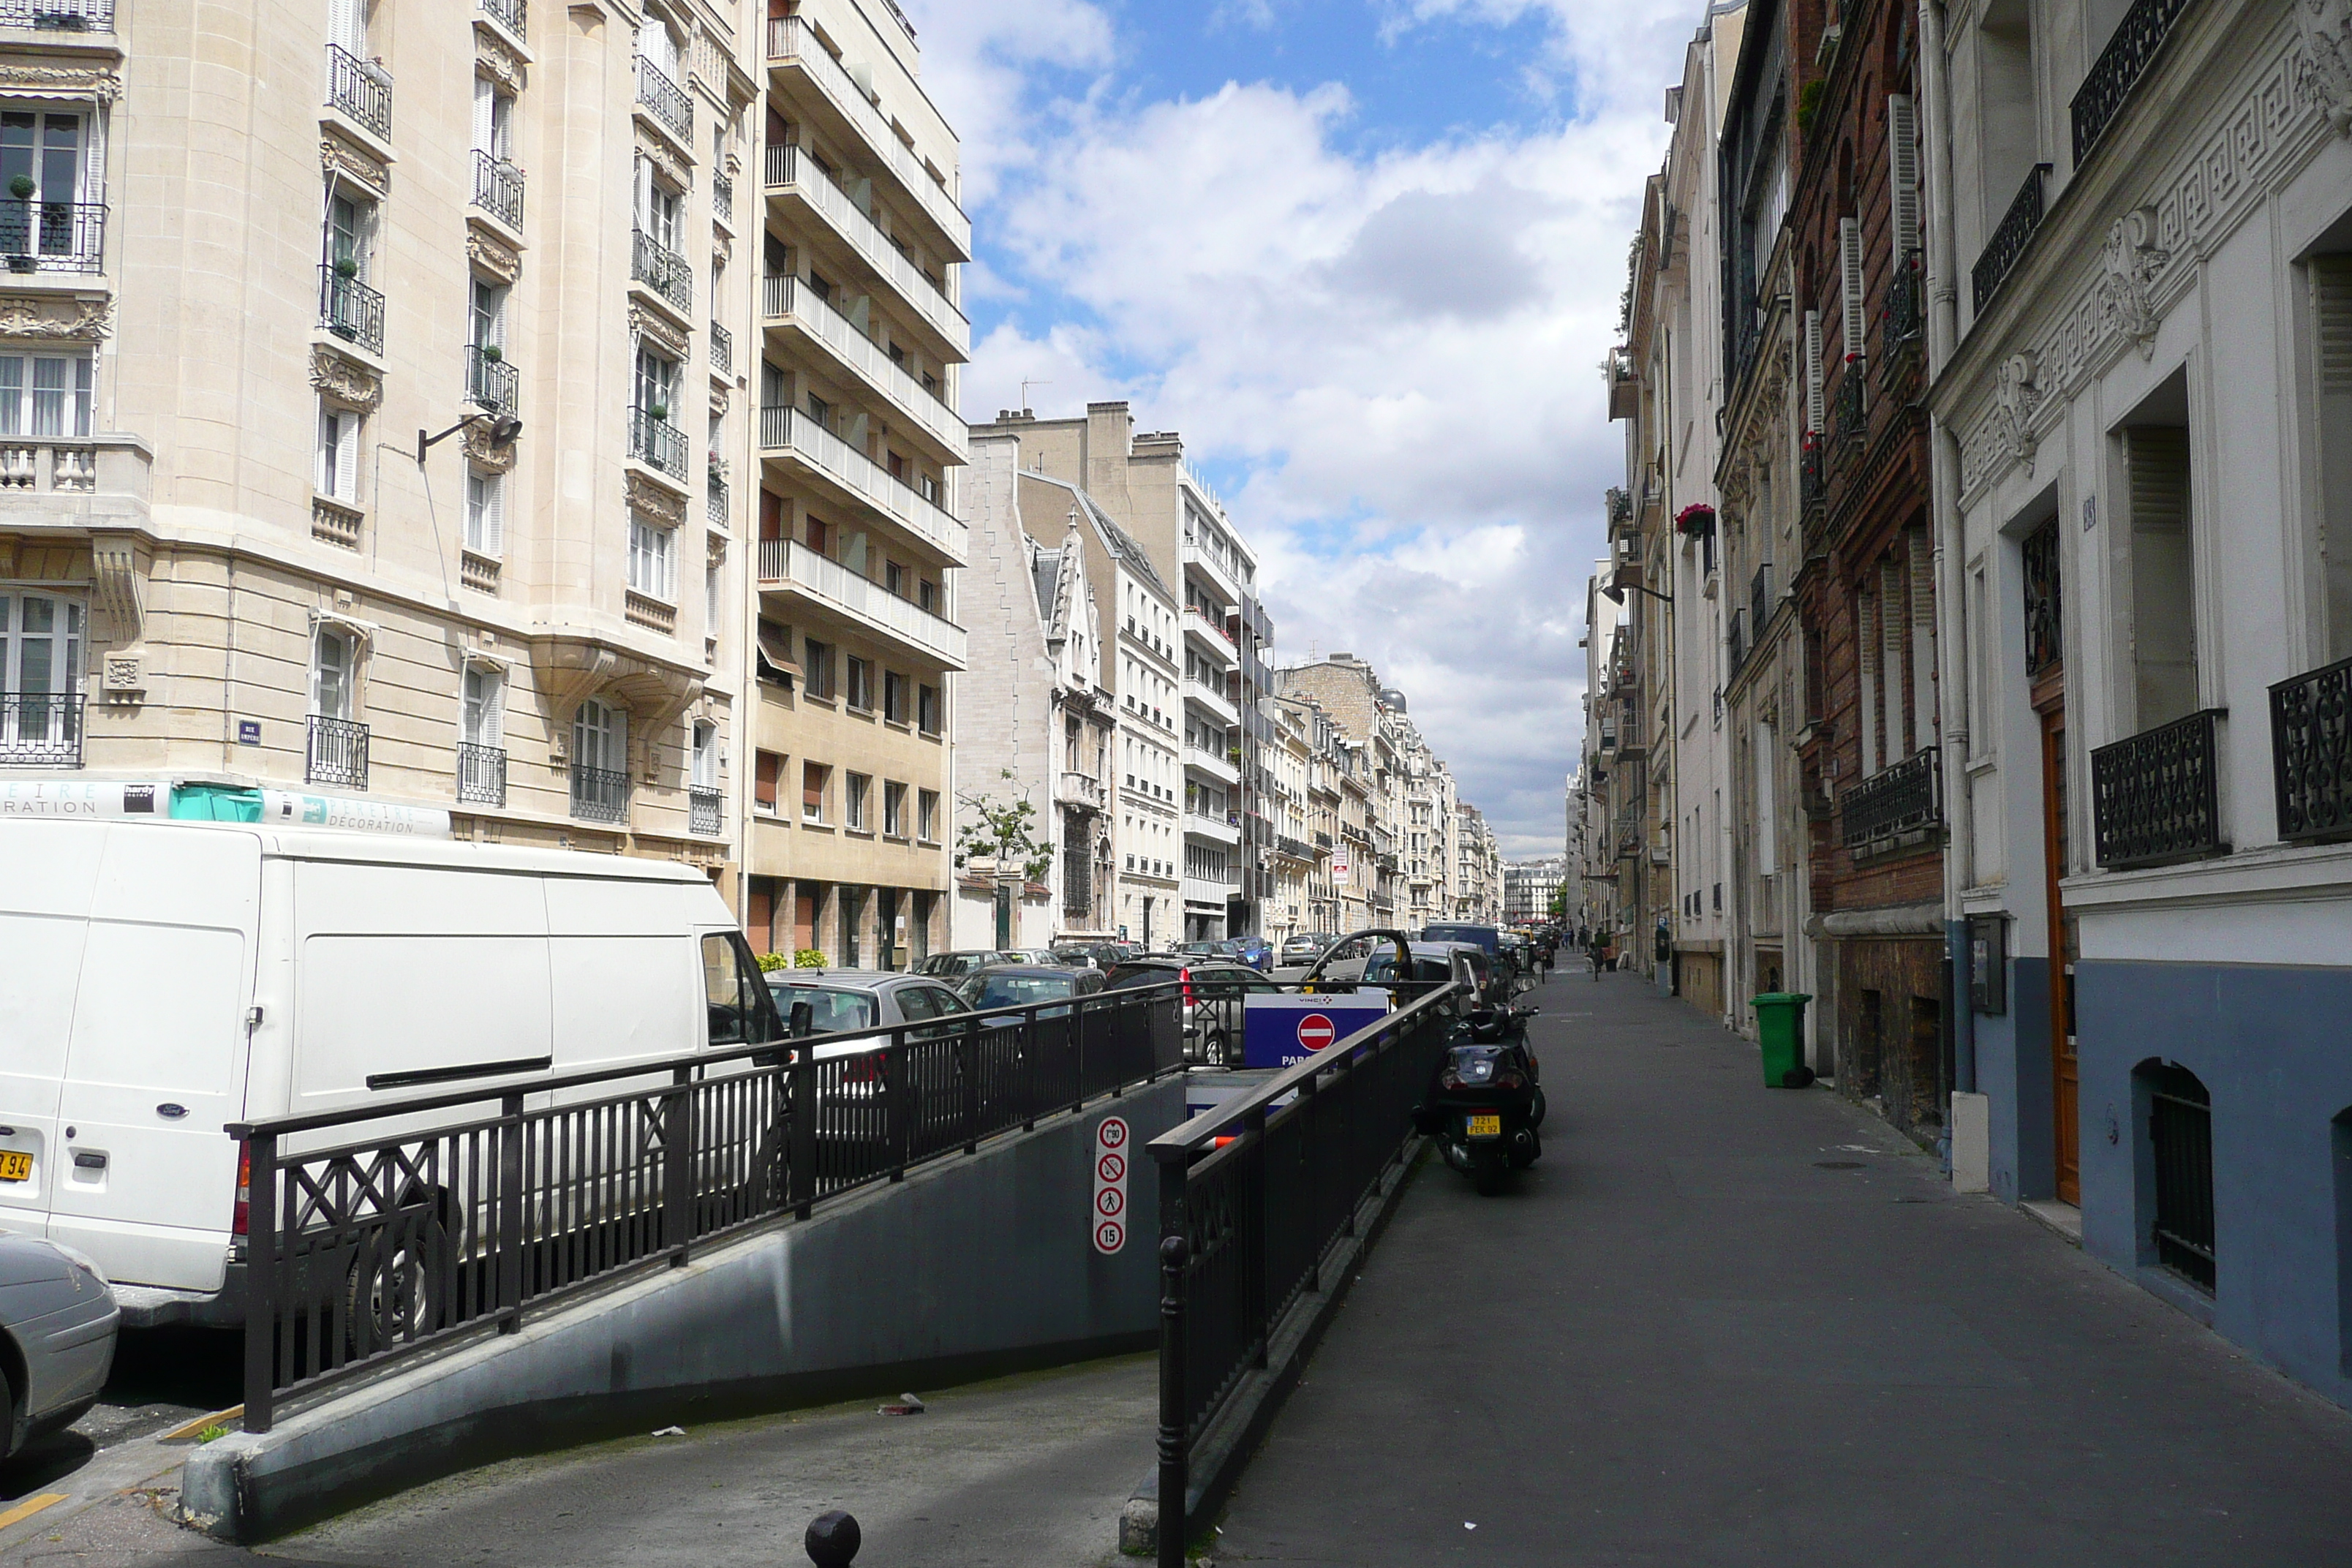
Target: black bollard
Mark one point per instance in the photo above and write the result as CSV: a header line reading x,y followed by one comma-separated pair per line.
x,y
832,1540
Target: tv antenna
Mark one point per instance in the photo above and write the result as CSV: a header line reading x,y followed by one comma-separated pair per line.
x,y
1025,385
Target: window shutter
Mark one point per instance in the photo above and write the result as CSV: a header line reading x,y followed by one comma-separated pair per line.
x,y
494,517
2331,297
325,477
1850,266
94,185
1902,170
485,138
347,458
347,25
317,670
1813,373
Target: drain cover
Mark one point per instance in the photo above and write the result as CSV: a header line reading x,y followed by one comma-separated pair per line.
x,y
1837,1165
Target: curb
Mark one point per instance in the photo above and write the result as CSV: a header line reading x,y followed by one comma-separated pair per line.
x,y
1225,1448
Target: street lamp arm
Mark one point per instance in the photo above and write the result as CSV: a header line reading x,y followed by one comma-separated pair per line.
x,y
1616,593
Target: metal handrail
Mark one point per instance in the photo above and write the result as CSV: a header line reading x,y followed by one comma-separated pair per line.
x,y
481,775
2155,796
41,730
2311,753
600,795
491,383
660,268
672,109
498,188
511,12
2016,230
360,89
656,442
2107,86
350,308
52,237
59,15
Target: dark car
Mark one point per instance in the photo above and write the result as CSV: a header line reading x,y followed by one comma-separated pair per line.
x,y
1022,985
1213,990
954,966
1088,955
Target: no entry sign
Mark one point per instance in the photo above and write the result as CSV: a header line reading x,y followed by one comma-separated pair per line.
x,y
1314,1032
1108,1216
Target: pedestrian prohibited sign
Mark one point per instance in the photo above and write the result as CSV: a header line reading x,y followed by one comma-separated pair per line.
x,y
1109,1216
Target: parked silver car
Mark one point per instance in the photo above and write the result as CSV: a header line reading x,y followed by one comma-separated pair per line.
x,y
57,1321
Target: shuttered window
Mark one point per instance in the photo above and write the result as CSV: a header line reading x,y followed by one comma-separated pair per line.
x,y
2331,301
767,773
1903,174
483,721
1813,410
339,453
1851,277
486,514
2163,573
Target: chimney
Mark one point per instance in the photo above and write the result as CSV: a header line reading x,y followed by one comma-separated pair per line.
x,y
1110,435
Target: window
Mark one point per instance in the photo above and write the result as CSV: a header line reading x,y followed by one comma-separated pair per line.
x,y
657,207
481,720
854,812
861,684
767,773
347,26
493,119
339,453
893,809
714,574
894,578
334,668
40,645
600,737
488,314
927,594
652,559
351,229
927,816
814,778
817,667
485,513
47,149
44,394
894,697
657,47
703,771
656,383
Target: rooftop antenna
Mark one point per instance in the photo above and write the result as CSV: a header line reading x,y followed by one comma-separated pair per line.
x,y
1025,385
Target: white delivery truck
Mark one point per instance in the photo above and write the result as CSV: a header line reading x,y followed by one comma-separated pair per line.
x,y
160,981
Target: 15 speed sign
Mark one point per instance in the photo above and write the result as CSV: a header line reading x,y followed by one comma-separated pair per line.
x,y
1108,1216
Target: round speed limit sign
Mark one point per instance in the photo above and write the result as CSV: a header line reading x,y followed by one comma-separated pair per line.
x,y
1110,1235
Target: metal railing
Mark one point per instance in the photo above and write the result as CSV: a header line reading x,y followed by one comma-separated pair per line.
x,y
656,442
2010,239
59,16
2137,41
2156,796
672,109
2311,753
722,349
660,268
380,1247
1903,797
1812,489
1907,304
360,89
40,730
351,309
1849,415
702,811
1254,1197
600,795
52,237
2180,1143
489,380
1735,643
510,14
481,775
714,499
722,197
1759,598
337,752
498,188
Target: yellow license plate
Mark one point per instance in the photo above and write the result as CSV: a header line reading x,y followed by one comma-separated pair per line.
x,y
15,1165
1485,1126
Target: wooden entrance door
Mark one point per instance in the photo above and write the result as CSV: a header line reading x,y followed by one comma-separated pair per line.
x,y
2065,1077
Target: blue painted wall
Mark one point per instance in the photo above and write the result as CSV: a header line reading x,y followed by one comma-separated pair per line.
x,y
2274,1047
2014,1074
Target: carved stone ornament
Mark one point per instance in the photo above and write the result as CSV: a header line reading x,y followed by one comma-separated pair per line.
x,y
337,156
718,401
2325,73
495,58
2014,399
54,316
18,80
346,380
655,503
492,255
665,164
2127,285
661,330
484,455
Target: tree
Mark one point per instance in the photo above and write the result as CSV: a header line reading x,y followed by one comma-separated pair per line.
x,y
1002,838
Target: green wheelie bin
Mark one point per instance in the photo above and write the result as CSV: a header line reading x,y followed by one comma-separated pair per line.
x,y
1781,1030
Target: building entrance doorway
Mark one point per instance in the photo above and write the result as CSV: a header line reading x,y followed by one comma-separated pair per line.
x,y
2045,666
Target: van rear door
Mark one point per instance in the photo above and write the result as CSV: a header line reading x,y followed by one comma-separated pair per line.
x,y
156,1069
44,919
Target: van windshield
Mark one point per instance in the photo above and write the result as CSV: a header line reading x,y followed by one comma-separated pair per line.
x,y
830,1011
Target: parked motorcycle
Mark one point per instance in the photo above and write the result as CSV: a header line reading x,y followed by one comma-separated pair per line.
x,y
1483,1104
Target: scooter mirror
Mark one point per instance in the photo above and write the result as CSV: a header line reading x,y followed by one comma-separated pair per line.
x,y
1531,1012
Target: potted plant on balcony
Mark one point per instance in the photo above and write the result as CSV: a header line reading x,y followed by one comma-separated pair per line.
x,y
347,267
491,352
659,411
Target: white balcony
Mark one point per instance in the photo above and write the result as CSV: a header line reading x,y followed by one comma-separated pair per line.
x,y
796,571
1214,567
1206,891
1209,636
1081,789
788,302
1212,829
792,46
790,175
1212,702
1211,765
790,435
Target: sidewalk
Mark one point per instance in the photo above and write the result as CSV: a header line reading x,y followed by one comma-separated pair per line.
x,y
1723,1324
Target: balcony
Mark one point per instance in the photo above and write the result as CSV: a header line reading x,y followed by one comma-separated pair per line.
x,y
714,500
787,302
59,15
661,270
1213,702
1760,602
657,443
360,89
40,730
1214,565
2311,753
1906,798
1849,415
2155,796
332,523
722,197
350,308
1081,789
337,752
2006,246
1813,489
1735,644
703,812
497,189
600,795
790,434
1213,829
2138,41
1208,634
65,465
481,775
1217,765
1906,307
722,349
1208,890
52,237
491,381
666,101
791,174
791,45
789,567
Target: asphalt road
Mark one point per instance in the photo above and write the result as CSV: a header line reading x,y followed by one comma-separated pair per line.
x,y
163,1378
1722,1324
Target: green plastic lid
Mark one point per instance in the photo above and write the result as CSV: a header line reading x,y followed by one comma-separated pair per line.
x,y
1780,998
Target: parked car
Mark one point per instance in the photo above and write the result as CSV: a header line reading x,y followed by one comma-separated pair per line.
x,y
1088,955
1305,947
956,965
1210,998
1044,955
1254,951
842,1000
57,1324
1020,985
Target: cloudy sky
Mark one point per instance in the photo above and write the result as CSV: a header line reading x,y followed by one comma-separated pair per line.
x,y
1365,255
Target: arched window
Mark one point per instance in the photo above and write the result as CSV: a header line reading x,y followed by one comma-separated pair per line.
x,y
2180,1151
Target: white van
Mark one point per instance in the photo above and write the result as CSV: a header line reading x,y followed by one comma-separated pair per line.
x,y
161,981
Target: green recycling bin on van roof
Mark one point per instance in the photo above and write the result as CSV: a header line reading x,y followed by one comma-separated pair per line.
x,y
1781,1030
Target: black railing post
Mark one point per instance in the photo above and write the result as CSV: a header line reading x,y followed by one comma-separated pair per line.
x,y
510,1212
1174,1256
899,1102
261,1278
968,1067
1025,1069
803,1167
677,1165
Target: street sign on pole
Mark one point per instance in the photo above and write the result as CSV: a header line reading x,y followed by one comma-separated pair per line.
x,y
1108,1217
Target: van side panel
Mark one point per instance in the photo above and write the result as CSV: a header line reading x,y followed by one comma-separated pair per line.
x,y
628,983
156,1069
52,872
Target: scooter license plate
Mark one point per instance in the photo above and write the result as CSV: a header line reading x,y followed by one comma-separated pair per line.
x,y
1483,1126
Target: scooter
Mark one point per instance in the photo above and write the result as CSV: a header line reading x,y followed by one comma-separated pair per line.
x,y
1483,1104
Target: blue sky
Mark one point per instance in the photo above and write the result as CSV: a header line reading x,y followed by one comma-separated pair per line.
x,y
1366,258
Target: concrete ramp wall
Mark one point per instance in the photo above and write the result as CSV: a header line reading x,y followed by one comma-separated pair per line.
x,y
973,1267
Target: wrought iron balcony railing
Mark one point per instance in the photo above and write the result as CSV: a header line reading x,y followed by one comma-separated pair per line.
x,y
40,730
2138,41
1735,644
2156,797
510,14
657,442
662,270
1903,798
491,381
2311,753
1759,598
337,752
714,499
599,794
481,775
702,811
360,89
2009,240
1906,305
722,349
1812,487
1849,415
498,188
52,237
671,107
351,309
59,15
722,197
